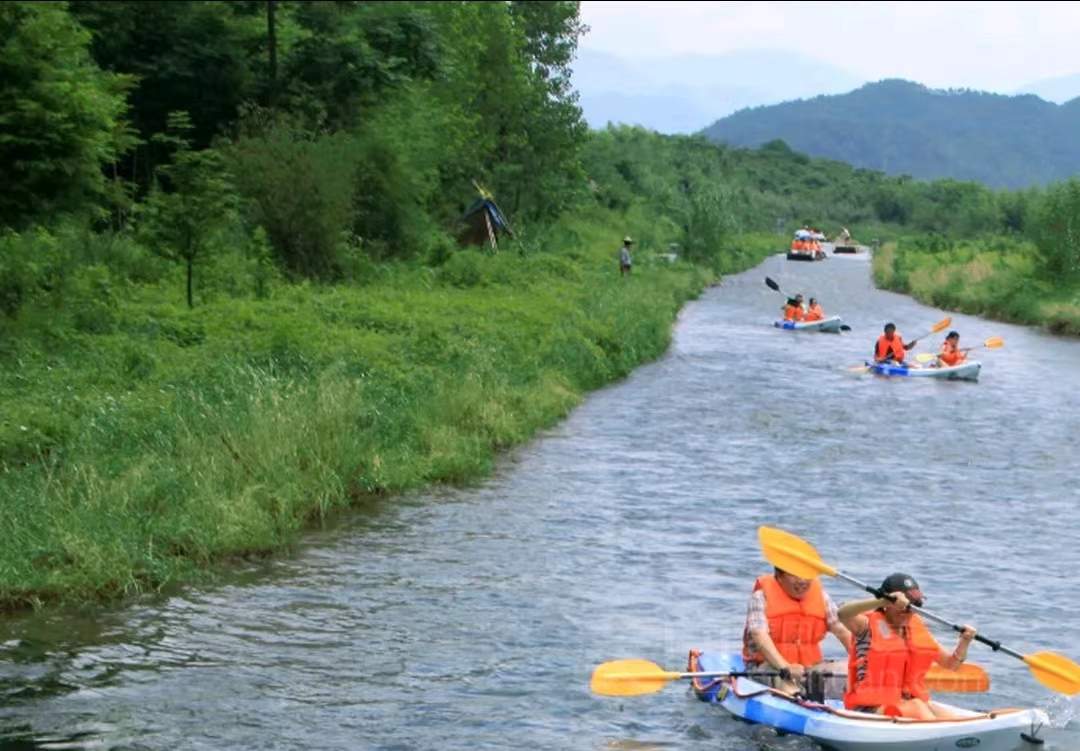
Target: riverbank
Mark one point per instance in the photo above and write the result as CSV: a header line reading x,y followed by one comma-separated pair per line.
x,y
997,279
139,453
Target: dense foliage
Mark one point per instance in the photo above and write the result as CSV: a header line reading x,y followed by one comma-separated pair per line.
x,y
899,127
233,291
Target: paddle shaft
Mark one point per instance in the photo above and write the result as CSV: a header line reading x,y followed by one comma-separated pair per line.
x,y
725,674
994,645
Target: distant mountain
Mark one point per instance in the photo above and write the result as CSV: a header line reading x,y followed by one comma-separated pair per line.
x,y
684,94
1059,90
899,127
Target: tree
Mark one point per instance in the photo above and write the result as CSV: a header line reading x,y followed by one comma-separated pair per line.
x,y
191,201
59,115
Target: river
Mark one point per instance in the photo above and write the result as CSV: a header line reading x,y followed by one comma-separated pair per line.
x,y
472,618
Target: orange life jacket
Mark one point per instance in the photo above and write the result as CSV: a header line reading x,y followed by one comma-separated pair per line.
x,y
814,314
895,665
794,313
951,354
796,627
884,346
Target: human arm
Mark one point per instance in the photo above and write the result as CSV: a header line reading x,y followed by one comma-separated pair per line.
x,y
835,626
764,644
953,660
852,613
757,628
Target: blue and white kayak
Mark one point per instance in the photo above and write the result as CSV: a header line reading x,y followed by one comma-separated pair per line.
x,y
831,325
965,371
838,729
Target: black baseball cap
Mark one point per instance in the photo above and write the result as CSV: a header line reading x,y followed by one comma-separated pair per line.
x,y
903,583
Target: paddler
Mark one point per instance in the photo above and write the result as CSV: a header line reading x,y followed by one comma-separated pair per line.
x,y
950,353
787,618
892,652
794,309
813,311
890,347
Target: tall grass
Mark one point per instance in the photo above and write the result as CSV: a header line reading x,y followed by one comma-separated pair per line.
x,y
137,450
999,278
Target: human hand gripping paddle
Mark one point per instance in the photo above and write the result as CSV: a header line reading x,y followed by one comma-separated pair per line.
x,y
774,286
941,325
796,556
994,342
637,677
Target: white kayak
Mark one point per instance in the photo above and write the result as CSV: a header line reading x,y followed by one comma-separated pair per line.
x,y
838,729
831,325
965,371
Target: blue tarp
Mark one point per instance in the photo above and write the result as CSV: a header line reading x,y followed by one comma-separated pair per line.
x,y
497,220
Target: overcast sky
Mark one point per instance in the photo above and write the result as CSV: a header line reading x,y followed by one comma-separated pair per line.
x,y
993,46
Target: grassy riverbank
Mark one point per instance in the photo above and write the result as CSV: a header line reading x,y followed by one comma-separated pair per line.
x,y
150,440
999,279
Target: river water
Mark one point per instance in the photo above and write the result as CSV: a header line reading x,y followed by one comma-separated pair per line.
x,y
472,618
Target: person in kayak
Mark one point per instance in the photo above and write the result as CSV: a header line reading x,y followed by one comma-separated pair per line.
x,y
892,650
787,618
950,353
813,311
794,309
890,347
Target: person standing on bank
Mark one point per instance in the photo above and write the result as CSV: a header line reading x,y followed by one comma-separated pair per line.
x,y
624,256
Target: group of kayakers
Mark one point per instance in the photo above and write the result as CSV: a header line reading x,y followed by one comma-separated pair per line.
x,y
805,245
794,310
889,648
890,347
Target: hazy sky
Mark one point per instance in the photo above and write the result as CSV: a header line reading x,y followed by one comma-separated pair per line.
x,y
993,46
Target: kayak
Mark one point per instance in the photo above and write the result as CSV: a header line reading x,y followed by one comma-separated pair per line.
x,y
831,325
795,255
845,249
965,371
836,728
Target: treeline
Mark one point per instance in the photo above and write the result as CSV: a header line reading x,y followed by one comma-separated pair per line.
x,y
730,191
316,133
223,146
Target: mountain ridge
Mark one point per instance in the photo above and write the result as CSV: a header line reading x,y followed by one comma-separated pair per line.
x,y
898,127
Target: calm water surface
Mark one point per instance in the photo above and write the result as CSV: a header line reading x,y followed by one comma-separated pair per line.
x,y
472,619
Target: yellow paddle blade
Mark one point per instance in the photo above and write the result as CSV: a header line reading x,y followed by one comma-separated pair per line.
x,y
925,357
792,554
994,342
1056,672
969,678
629,678
941,325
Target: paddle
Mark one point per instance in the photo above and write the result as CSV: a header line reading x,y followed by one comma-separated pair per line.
x,y
994,342
637,677
774,286
941,325
796,556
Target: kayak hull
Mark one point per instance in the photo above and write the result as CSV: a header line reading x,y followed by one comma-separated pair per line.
x,y
966,371
794,255
831,325
840,730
